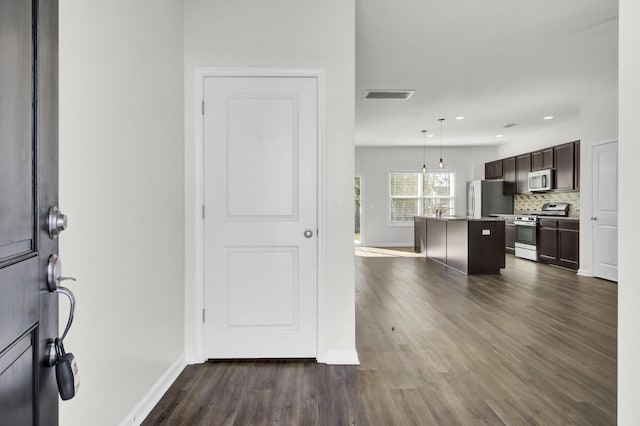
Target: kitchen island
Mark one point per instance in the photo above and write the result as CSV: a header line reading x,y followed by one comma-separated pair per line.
x,y
469,245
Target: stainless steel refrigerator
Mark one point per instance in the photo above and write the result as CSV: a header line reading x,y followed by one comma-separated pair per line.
x,y
485,197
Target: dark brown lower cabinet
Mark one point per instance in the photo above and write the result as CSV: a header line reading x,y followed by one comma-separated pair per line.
x,y
548,240
437,239
509,236
420,234
569,244
559,242
471,246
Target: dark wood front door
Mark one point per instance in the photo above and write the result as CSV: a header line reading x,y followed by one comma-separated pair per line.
x,y
28,187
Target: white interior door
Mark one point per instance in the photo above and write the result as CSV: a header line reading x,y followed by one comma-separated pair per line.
x,y
605,211
260,193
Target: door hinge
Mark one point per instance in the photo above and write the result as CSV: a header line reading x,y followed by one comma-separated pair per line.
x,y
202,314
202,107
203,212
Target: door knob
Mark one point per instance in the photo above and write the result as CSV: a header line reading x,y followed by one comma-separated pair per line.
x,y
594,218
56,221
308,233
54,273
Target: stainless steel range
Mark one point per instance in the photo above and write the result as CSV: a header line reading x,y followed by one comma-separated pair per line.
x,y
555,209
527,229
526,236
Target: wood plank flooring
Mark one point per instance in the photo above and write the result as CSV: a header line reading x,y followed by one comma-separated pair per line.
x,y
535,345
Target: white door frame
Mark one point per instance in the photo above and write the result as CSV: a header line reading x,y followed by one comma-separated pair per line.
x,y
593,201
362,241
200,75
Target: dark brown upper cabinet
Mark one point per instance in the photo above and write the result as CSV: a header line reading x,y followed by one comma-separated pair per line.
x,y
565,166
523,167
542,160
509,175
514,171
493,170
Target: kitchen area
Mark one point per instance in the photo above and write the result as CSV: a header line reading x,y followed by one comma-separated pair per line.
x,y
556,160
534,198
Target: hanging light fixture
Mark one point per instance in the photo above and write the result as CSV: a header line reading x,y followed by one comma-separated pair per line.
x,y
441,163
424,147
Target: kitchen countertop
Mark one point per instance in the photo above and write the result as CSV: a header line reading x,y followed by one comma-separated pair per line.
x,y
539,216
467,218
574,218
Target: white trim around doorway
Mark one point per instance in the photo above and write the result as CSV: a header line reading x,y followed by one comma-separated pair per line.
x,y
198,354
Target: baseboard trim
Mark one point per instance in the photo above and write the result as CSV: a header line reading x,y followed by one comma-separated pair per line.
x,y
146,404
386,245
191,358
340,358
584,273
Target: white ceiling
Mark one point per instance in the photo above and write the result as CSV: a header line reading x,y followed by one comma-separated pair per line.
x,y
492,61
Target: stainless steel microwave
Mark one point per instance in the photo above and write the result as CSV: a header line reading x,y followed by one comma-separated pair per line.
x,y
541,180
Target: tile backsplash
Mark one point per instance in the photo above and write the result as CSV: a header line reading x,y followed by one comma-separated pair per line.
x,y
531,203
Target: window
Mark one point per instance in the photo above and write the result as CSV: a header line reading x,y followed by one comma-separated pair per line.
x,y
438,192
416,194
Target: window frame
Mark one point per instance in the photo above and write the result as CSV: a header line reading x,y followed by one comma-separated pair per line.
x,y
420,197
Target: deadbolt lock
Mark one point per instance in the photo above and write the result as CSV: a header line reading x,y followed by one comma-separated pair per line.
x,y
56,221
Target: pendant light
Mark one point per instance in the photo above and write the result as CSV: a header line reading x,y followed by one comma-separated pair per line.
x,y
441,163
424,147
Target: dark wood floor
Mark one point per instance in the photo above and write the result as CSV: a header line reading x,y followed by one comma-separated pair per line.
x,y
533,345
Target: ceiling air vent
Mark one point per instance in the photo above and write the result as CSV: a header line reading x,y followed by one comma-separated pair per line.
x,y
401,95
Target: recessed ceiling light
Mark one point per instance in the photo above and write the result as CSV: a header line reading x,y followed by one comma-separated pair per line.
x,y
459,117
499,136
429,136
548,117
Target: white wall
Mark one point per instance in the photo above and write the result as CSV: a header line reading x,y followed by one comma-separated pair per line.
x,y
629,152
553,135
374,165
122,186
599,123
285,33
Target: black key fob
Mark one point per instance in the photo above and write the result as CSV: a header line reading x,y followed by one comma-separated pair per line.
x,y
67,376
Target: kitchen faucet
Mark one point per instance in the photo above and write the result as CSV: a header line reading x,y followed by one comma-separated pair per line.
x,y
441,210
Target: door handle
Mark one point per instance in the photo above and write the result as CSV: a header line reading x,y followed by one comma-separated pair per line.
x,y
593,218
65,363
53,348
72,308
54,273
308,233
54,269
